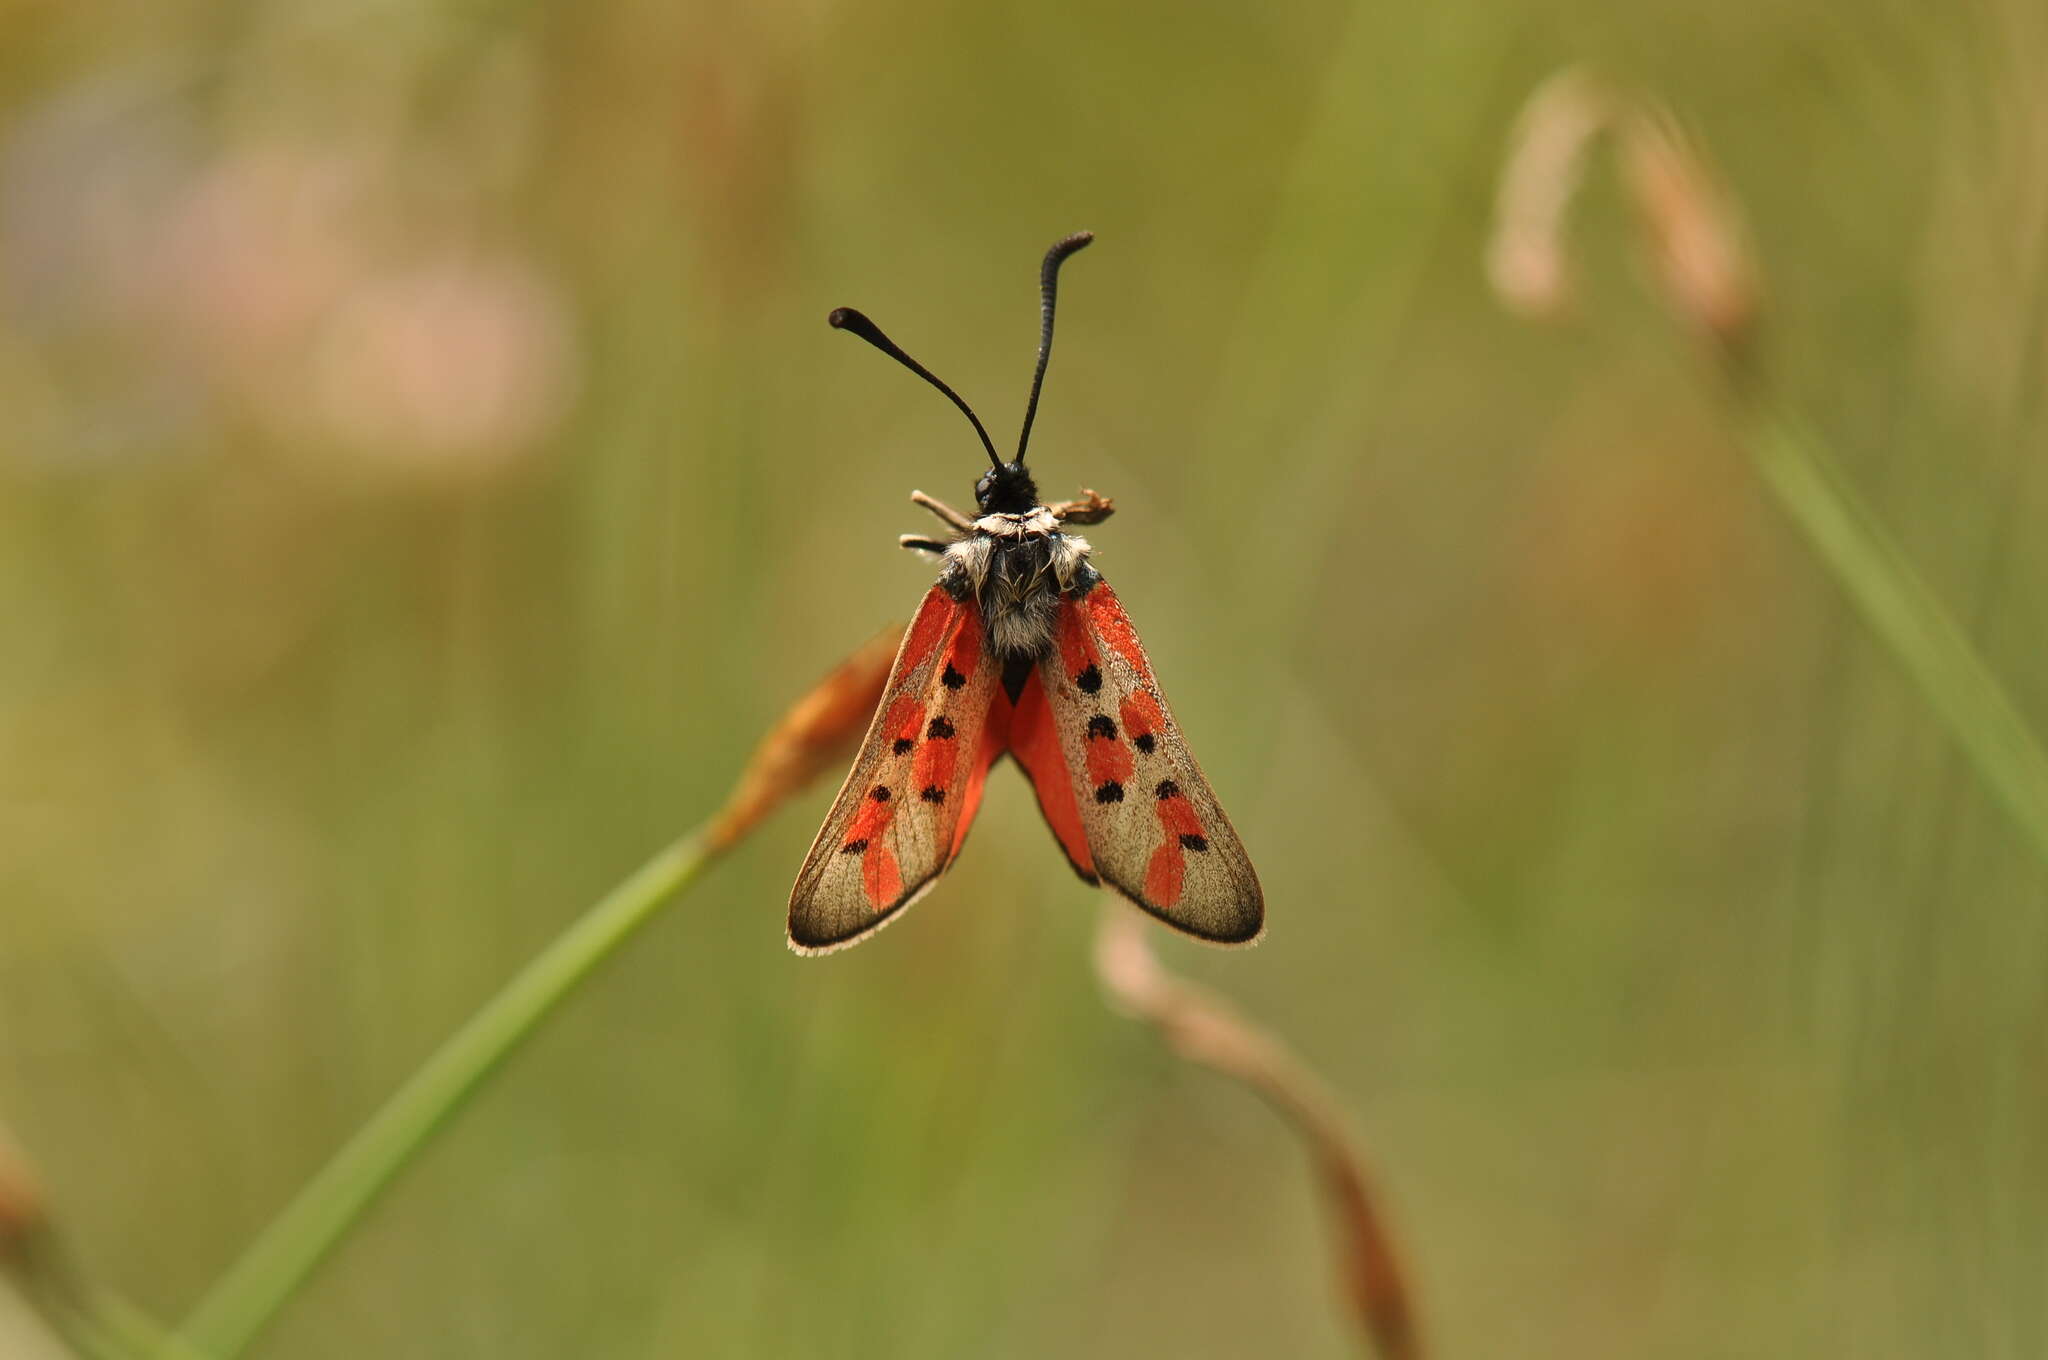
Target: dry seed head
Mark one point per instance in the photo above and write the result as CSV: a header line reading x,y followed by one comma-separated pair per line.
x,y
1526,260
22,1214
1700,253
814,735
1697,241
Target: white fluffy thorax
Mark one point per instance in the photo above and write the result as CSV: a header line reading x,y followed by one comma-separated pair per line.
x,y
1018,566
1039,523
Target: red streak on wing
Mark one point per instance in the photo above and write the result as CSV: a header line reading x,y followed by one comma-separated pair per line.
x,y
1077,652
1167,870
925,633
871,821
1140,715
879,876
1164,874
995,739
936,759
1115,627
905,721
1109,761
1177,815
1036,744
966,648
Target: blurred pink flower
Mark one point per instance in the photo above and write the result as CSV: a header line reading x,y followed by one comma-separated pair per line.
x,y
456,364
328,295
258,247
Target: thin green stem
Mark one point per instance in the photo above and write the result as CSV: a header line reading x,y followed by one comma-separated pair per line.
x,y
1906,616
245,1299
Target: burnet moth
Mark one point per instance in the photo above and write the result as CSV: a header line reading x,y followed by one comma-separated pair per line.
x,y
1021,649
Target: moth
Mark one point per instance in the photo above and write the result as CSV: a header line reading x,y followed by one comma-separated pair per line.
x,y
1021,649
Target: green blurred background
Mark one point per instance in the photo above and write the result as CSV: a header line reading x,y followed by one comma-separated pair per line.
x,y
425,470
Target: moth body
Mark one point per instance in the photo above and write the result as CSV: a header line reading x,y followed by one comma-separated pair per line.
x,y
1017,567
1021,650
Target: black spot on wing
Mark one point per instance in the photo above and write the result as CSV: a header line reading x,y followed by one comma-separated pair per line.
x,y
880,793
902,745
1193,841
1090,679
1109,792
1144,741
940,729
1101,726
859,847
1167,789
933,794
952,679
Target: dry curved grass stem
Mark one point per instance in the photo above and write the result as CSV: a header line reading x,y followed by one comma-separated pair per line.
x,y
1205,1029
1704,265
34,1258
1697,244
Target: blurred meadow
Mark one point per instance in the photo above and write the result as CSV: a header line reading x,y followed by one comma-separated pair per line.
x,y
425,471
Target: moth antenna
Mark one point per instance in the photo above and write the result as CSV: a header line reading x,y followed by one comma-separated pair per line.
x,y
1048,289
847,319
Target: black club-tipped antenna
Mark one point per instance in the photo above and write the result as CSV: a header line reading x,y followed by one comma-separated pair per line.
x,y
847,319
1048,290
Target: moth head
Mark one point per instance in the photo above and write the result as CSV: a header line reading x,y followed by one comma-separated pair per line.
x,y
1006,488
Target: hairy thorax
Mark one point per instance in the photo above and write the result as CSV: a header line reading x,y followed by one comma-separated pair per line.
x,y
1017,567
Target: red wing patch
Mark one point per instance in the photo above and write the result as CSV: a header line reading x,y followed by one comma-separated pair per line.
x,y
994,737
1035,744
915,785
1154,829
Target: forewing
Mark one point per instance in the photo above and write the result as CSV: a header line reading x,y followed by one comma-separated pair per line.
x,y
906,806
1155,831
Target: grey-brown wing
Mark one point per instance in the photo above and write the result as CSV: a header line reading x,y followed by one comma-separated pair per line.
x,y
905,807
1155,830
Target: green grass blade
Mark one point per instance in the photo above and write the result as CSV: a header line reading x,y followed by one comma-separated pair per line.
x,y
245,1299
1908,618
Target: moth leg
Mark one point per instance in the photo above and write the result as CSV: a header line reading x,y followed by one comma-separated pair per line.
x,y
919,543
1090,509
952,517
